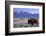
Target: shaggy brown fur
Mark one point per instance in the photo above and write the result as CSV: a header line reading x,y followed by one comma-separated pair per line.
x,y
32,21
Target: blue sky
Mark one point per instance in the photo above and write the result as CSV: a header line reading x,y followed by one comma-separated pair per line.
x,y
30,10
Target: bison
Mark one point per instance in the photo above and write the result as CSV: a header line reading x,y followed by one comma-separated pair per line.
x,y
33,21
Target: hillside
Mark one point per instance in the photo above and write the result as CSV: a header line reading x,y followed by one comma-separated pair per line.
x,y
22,14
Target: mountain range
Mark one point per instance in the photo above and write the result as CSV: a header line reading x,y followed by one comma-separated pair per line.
x,y
22,14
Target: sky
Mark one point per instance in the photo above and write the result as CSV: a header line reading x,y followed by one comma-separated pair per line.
x,y
30,10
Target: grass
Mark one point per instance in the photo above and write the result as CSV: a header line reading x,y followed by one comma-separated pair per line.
x,y
21,26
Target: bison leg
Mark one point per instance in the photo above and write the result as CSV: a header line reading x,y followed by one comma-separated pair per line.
x,y
32,23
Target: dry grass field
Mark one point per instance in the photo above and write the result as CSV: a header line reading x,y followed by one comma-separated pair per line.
x,y
23,22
